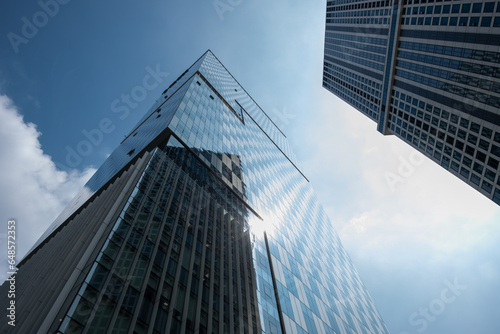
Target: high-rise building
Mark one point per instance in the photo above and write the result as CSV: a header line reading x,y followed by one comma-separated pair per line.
x,y
201,221
427,71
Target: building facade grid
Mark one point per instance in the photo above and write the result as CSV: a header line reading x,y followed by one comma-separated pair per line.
x,y
436,69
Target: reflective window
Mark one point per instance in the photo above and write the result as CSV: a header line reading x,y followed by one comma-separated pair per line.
x,y
477,7
485,21
489,7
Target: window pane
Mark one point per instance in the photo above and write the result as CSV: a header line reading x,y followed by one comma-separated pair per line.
x,y
485,21
488,7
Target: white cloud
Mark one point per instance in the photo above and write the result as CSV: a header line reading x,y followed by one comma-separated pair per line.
x,y
32,189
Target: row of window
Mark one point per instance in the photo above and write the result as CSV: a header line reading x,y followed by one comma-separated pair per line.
x,y
364,30
350,51
376,20
451,76
462,21
486,70
488,99
416,2
373,4
351,88
370,13
361,61
481,55
479,7
367,93
360,46
368,86
361,38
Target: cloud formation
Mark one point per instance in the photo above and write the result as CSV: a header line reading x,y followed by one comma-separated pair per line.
x,y
32,190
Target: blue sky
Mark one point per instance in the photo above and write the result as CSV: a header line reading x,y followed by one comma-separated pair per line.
x,y
426,245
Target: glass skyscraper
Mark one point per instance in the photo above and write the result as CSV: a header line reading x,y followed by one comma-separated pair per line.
x,y
427,71
201,221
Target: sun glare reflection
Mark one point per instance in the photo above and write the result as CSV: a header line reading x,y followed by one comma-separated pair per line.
x,y
259,226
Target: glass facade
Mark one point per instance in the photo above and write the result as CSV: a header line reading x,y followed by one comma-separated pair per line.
x,y
218,232
178,258
439,71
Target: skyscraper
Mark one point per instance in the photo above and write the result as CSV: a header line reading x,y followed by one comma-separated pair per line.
x,y
201,221
426,71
